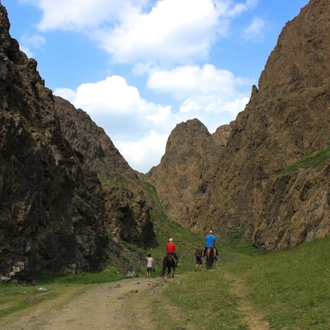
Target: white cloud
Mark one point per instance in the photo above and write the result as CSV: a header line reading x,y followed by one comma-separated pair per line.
x,y
172,31
165,31
256,30
31,41
80,15
238,8
156,38
203,88
26,50
144,153
183,81
113,97
139,128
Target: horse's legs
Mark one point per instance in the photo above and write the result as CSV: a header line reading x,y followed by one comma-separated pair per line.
x,y
164,268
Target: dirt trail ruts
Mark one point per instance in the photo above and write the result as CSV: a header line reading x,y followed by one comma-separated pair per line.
x,y
122,305
100,307
252,317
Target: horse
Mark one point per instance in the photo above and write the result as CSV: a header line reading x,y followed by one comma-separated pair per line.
x,y
169,264
210,255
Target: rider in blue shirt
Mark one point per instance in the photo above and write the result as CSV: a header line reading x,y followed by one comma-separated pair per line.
x,y
210,242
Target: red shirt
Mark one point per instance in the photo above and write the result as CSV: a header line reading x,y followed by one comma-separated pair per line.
x,y
170,247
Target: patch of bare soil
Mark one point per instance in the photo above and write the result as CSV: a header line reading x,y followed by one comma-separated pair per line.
x,y
100,307
122,305
252,317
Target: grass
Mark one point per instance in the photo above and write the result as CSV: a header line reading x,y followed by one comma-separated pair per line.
x,y
291,287
312,160
121,181
288,289
15,298
201,298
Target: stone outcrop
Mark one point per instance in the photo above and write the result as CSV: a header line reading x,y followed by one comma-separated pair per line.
x,y
127,210
51,206
286,119
67,196
189,166
221,135
92,145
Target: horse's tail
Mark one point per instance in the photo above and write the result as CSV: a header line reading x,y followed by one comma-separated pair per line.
x,y
164,267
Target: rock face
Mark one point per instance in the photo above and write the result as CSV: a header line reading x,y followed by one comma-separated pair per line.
x,y
64,188
186,170
52,213
286,119
91,143
127,210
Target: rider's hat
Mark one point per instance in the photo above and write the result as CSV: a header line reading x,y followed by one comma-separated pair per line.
x,y
170,240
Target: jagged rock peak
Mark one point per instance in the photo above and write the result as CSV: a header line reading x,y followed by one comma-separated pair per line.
x,y
286,119
91,142
186,169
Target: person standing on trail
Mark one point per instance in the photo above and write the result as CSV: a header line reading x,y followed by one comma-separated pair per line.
x,y
150,264
210,243
171,249
199,254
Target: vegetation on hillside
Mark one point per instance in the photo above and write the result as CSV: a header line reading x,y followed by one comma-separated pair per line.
x,y
310,161
280,290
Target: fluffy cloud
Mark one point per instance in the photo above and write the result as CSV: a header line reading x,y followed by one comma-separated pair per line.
x,y
167,31
31,41
160,45
144,153
114,100
139,128
84,15
256,30
172,30
203,89
184,81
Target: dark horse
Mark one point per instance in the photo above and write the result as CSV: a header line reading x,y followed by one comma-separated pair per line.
x,y
169,264
210,255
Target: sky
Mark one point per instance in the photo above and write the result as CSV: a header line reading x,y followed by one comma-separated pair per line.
x,y
140,67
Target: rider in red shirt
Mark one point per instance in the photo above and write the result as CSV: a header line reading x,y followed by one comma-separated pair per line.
x,y
171,248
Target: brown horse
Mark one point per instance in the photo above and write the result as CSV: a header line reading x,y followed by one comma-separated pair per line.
x,y
169,264
210,255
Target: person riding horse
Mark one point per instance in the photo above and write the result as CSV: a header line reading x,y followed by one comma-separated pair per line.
x,y
210,244
171,249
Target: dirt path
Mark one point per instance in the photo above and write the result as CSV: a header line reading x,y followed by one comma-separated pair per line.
x,y
122,305
101,307
252,317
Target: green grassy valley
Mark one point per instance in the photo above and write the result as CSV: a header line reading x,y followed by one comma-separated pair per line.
x,y
245,289
282,289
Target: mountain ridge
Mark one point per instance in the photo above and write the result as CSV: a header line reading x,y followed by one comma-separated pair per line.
x,y
286,119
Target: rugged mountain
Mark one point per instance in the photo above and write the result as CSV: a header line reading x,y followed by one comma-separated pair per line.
x,y
51,206
56,212
127,210
286,119
183,176
91,143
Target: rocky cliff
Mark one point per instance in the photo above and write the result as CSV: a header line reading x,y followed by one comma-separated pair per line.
x,y
51,207
187,169
127,210
286,120
58,205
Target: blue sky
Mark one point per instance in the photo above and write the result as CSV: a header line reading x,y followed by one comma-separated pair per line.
x,y
140,67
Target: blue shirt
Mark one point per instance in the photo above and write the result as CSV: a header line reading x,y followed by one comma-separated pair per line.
x,y
209,240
